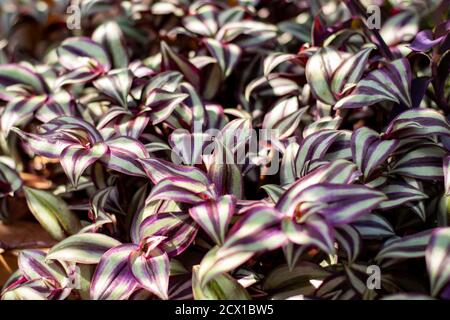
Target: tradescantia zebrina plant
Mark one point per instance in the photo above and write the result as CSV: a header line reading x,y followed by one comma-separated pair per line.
x,y
227,149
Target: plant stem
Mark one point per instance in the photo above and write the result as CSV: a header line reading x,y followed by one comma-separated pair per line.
x,y
5,264
357,9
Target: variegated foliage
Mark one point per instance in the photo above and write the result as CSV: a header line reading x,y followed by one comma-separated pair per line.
x,y
143,122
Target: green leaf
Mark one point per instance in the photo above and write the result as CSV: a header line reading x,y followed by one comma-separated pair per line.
x,y
86,248
222,287
52,213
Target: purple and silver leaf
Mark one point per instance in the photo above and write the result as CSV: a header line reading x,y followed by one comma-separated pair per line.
x,y
214,217
113,278
85,248
151,271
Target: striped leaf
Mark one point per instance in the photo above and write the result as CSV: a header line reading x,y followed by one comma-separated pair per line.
x,y
189,147
446,170
275,85
40,145
15,74
349,241
52,213
357,280
150,208
120,122
180,288
338,172
18,110
72,129
123,154
33,265
273,191
231,14
224,173
372,226
212,75
60,103
319,71
273,60
321,124
151,271
204,23
315,232
214,265
350,71
173,61
419,122
258,230
84,59
166,80
340,204
408,247
37,289
313,147
369,151
398,194
78,52
390,83
423,162
158,169
99,201
116,85
335,287
184,190
111,37
180,117
92,7
9,180
76,159
214,217
24,292
161,104
80,75
226,54
85,248
285,117
236,133
288,169
222,287
400,27
113,279
195,102
438,260
341,148
178,227
247,33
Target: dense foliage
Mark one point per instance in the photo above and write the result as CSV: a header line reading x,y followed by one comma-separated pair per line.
x,y
145,126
